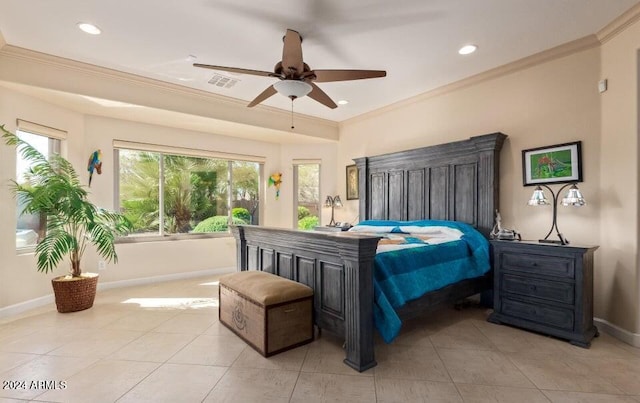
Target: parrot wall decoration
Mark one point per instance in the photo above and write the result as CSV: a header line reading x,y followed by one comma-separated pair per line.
x,y
95,164
276,180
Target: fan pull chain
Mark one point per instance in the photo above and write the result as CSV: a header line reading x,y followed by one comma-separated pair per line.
x,y
292,127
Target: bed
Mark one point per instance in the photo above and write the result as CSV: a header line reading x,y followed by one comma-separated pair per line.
x,y
457,181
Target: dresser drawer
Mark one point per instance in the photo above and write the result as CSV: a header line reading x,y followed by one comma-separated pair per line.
x,y
542,314
549,290
539,264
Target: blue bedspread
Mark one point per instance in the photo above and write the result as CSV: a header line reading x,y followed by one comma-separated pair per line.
x,y
403,275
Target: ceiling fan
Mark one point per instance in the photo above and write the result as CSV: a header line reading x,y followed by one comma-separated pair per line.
x,y
296,77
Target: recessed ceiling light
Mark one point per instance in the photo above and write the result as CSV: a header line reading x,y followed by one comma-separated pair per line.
x,y
89,28
192,58
467,49
343,102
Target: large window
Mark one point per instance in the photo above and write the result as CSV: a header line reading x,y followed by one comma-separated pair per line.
x,y
30,228
306,176
165,193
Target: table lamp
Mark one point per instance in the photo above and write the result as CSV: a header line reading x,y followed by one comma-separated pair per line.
x,y
333,202
572,198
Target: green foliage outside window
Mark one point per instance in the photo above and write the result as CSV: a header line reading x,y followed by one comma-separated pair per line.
x,y
303,212
308,223
241,213
217,224
193,190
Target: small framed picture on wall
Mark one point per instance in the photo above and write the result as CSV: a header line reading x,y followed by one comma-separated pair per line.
x,y
559,163
352,182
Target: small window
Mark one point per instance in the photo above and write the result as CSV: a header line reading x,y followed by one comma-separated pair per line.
x,y
31,228
245,180
307,195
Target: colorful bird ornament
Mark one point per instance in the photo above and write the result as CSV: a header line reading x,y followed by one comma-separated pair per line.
x,y
276,180
95,163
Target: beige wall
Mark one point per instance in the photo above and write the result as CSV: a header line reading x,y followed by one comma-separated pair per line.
x,y
618,275
551,103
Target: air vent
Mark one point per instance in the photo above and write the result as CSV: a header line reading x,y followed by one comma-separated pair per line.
x,y
223,81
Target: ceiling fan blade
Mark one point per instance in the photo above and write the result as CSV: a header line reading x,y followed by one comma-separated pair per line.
x,y
292,54
235,70
264,95
320,96
325,76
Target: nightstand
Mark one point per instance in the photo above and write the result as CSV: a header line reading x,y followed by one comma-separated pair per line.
x,y
545,288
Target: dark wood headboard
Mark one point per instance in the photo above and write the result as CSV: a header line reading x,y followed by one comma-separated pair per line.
x,y
453,181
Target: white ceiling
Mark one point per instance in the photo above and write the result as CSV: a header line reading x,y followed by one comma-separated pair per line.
x,y
415,41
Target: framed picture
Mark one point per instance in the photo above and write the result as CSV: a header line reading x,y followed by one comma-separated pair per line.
x,y
352,182
559,163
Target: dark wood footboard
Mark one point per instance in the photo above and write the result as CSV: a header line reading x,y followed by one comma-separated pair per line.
x,y
339,268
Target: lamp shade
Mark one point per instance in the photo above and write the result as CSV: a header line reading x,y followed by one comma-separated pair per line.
x,y
292,88
538,198
333,201
574,197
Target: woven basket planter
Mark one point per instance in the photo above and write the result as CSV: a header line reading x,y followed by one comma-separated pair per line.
x,y
75,294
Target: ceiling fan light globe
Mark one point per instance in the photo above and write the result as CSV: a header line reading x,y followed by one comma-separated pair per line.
x,y
292,88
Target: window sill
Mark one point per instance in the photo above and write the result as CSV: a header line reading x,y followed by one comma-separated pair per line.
x,y
173,237
27,250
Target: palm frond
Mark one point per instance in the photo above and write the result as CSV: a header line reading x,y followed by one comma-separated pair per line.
x,y
53,188
56,244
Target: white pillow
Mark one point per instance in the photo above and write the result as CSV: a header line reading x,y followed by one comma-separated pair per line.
x,y
435,232
372,228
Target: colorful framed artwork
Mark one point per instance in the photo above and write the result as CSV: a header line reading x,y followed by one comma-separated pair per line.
x,y
352,182
559,163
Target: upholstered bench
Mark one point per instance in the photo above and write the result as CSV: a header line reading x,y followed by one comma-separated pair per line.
x,y
270,313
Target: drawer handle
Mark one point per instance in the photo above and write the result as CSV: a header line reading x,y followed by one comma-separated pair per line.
x,y
533,288
289,310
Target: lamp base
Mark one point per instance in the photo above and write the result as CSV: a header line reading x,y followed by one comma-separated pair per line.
x,y
562,242
550,241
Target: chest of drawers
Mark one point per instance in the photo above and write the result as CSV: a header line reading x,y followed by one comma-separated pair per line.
x,y
545,288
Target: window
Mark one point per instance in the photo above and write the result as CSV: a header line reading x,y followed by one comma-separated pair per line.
x,y
30,228
167,193
306,177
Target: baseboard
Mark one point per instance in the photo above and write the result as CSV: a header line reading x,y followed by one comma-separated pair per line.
x,y
159,279
618,332
21,307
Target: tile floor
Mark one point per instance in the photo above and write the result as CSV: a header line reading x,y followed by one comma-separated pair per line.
x,y
163,343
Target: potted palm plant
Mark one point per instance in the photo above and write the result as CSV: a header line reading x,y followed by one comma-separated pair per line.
x,y
53,190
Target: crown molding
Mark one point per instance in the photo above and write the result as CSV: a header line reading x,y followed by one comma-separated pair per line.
x,y
99,72
557,52
618,25
37,69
